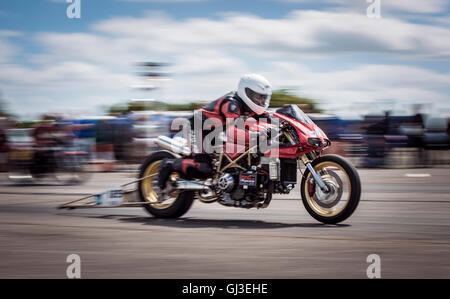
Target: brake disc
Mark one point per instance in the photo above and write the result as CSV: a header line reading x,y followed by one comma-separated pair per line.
x,y
331,198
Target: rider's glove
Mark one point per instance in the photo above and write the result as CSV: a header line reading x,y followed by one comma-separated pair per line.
x,y
265,133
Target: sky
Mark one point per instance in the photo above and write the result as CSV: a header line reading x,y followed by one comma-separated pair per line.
x,y
328,50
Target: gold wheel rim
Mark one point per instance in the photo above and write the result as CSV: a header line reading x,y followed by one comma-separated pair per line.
x,y
150,194
346,187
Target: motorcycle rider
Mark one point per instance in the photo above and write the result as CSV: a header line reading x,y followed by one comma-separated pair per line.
x,y
251,99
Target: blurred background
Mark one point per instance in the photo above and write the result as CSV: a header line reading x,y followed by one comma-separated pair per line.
x,y
102,86
86,86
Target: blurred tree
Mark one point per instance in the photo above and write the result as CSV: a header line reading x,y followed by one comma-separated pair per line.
x,y
280,98
3,109
146,105
2,105
283,97
117,109
182,107
123,108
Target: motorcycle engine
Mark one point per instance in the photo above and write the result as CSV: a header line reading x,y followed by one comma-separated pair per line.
x,y
241,188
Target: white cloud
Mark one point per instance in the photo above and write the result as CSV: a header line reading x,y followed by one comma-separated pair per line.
x,y
391,6
415,6
364,83
299,33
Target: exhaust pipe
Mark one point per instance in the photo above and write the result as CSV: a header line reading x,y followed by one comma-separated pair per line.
x,y
176,145
191,185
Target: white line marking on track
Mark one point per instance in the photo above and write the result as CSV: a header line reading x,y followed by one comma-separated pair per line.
x,y
417,175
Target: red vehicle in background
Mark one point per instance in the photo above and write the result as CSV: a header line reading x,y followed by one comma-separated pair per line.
x,y
247,178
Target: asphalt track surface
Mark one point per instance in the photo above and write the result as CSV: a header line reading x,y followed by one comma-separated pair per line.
x,y
403,216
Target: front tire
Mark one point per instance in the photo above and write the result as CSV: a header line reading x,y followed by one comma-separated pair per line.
x,y
340,203
178,203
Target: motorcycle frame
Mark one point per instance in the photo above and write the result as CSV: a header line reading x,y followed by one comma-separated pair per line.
x,y
234,162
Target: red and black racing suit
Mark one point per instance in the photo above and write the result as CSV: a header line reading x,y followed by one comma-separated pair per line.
x,y
223,112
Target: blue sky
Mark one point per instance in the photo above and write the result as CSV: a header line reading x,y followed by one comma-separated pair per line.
x,y
38,15
327,49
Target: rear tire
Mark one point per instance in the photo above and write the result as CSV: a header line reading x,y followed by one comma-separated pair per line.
x,y
182,201
354,190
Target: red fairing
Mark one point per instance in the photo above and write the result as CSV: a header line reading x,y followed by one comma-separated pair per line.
x,y
227,112
238,144
304,131
238,139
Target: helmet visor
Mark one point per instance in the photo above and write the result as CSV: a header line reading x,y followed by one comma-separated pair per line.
x,y
257,98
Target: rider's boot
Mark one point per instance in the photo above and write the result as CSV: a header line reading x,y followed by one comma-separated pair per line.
x,y
165,170
167,167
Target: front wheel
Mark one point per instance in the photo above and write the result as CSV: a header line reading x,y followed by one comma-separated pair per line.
x,y
344,190
175,205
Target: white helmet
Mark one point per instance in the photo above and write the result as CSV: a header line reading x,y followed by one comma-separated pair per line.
x,y
256,92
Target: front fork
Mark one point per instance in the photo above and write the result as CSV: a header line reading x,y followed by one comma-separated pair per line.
x,y
315,175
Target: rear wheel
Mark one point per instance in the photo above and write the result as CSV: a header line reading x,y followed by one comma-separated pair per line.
x,y
175,205
345,190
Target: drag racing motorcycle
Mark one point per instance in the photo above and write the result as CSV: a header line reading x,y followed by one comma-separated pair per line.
x,y
330,186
